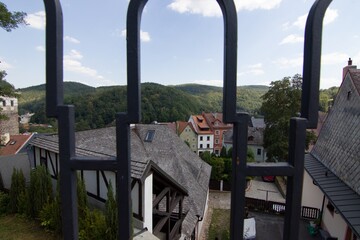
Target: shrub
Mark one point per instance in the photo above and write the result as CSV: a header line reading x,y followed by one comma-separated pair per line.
x,y
4,203
40,191
94,226
111,214
16,190
1,183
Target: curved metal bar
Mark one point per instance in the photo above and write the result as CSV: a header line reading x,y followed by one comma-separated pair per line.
x,y
230,60
312,62
54,56
133,59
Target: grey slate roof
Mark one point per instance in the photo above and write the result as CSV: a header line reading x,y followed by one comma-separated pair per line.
x,y
255,136
166,150
337,153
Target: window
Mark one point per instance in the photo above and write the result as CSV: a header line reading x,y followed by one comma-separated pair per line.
x,y
208,145
12,103
217,132
201,138
259,151
217,141
4,103
149,136
331,208
201,146
208,138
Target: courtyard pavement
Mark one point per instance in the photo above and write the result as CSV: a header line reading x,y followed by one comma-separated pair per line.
x,y
268,226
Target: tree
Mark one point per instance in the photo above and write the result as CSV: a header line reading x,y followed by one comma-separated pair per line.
x,y
10,20
111,214
281,102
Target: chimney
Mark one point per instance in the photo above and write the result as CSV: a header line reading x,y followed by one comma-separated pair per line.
x,y
4,139
349,66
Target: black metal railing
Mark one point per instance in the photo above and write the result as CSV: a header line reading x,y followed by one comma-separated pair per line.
x,y
70,163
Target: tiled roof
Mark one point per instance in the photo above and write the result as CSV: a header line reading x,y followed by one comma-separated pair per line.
x,y
213,118
345,199
16,144
337,146
201,126
181,126
166,150
334,161
355,76
255,136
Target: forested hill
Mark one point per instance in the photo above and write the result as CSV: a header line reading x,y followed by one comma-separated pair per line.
x,y
96,107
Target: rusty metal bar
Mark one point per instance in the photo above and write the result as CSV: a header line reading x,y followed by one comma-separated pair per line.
x,y
238,187
312,62
294,183
230,60
68,178
123,176
54,56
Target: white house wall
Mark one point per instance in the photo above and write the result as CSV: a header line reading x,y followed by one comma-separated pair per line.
x,y
334,223
148,202
135,198
312,196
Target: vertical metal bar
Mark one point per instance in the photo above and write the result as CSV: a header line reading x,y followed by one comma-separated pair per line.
x,y
238,176
312,62
68,193
230,60
54,56
133,60
294,183
123,175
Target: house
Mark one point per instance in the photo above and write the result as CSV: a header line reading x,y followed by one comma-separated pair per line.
x,y
255,142
332,168
205,135
187,133
169,186
218,127
9,107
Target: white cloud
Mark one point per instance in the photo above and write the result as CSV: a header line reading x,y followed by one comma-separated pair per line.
x,y
212,82
4,65
330,16
71,39
40,48
289,62
72,63
255,70
334,58
144,36
36,20
209,60
209,8
292,38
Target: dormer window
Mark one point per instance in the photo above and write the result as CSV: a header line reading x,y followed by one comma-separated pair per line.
x,y
149,136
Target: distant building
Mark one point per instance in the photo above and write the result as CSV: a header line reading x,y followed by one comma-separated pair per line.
x,y
255,142
332,168
218,127
205,135
9,107
187,133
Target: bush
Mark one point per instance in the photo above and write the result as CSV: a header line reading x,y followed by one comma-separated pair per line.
x,y
4,203
111,215
40,191
1,183
16,190
50,216
94,226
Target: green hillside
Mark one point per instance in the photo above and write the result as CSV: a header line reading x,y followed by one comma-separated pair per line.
x,y
96,107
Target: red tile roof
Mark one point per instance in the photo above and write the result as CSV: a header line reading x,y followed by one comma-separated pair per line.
x,y
16,143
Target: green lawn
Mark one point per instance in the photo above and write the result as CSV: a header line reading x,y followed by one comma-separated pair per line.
x,y
220,224
14,227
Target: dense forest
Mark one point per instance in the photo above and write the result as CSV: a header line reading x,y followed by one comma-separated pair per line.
x,y
96,107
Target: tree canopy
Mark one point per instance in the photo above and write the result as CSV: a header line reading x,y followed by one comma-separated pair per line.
x,y
281,102
10,20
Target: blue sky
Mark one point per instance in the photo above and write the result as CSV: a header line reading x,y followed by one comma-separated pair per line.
x,y
182,42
